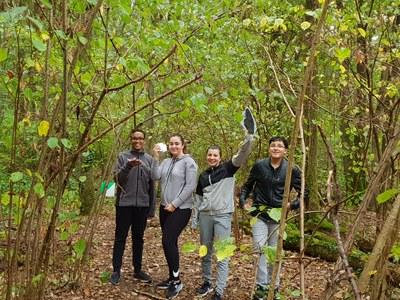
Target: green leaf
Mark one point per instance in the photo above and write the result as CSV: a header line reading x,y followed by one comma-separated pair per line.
x,y
252,208
79,248
64,236
5,199
16,176
38,24
46,3
86,78
67,143
13,13
61,34
39,189
343,53
387,195
52,142
82,178
36,279
39,45
93,2
73,228
275,214
188,247
305,25
82,40
270,253
225,252
3,54
105,275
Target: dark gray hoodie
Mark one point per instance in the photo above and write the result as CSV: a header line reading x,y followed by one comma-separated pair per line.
x,y
134,184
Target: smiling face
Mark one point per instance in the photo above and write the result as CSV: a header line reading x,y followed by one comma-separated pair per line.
x,y
137,140
176,146
213,157
277,150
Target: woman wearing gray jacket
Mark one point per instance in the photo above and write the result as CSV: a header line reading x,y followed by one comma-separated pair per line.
x,y
214,205
177,176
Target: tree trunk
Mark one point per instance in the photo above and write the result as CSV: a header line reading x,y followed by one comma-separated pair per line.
x,y
372,281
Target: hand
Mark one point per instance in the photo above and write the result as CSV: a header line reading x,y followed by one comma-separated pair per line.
x,y
156,151
246,206
134,162
170,208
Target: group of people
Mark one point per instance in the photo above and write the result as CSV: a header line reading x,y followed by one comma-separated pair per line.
x,y
211,198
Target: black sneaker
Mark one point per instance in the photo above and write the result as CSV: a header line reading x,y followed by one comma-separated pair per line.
x,y
276,295
174,289
216,296
114,278
164,285
204,289
260,293
143,277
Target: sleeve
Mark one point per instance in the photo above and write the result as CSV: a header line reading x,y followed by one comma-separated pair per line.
x,y
121,171
296,184
153,198
248,186
190,184
196,211
156,169
242,155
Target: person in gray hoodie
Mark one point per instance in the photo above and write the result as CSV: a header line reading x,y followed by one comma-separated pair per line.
x,y
214,205
135,202
177,176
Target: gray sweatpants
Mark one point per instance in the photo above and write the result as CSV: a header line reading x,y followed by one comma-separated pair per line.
x,y
265,234
215,228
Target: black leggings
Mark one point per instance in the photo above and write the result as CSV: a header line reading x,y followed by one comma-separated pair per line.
x,y
136,219
172,224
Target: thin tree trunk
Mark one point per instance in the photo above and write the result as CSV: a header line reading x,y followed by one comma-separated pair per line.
x,y
373,277
297,125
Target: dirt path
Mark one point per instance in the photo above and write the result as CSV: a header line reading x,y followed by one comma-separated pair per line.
x,y
241,273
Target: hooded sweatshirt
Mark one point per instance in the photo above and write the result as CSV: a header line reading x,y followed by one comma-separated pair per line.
x,y
177,180
134,184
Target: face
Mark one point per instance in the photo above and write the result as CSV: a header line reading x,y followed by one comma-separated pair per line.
x,y
213,157
175,146
137,141
277,149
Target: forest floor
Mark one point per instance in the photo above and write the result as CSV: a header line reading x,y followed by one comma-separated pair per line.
x,y
241,272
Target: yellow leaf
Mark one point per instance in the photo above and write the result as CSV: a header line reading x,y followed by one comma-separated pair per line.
x,y
263,22
253,221
38,66
45,36
43,128
362,32
342,69
203,250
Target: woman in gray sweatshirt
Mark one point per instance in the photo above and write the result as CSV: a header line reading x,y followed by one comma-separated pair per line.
x,y
177,175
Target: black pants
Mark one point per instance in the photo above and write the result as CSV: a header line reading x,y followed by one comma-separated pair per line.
x,y
136,219
172,225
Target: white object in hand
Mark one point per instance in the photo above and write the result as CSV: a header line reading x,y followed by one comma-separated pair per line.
x,y
163,147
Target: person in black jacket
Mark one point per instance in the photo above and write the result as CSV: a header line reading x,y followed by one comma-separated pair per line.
x,y
266,182
135,202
